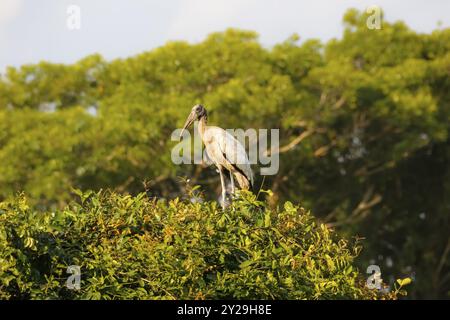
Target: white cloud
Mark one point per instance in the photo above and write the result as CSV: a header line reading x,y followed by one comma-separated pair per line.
x,y
275,20
9,9
36,30
196,18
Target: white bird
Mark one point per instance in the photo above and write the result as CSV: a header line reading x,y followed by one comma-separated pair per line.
x,y
224,150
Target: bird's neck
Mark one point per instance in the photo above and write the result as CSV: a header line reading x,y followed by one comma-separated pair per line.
x,y
202,126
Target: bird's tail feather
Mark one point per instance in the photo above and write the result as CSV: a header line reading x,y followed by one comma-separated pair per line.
x,y
243,182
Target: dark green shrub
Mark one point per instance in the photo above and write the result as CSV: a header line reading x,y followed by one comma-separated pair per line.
x,y
136,248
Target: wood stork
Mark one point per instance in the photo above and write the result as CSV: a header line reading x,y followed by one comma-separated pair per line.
x,y
224,150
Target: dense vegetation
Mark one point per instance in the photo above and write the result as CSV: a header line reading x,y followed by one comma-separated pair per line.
x,y
364,127
138,248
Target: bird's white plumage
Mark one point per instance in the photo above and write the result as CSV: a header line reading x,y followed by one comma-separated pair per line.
x,y
224,150
230,151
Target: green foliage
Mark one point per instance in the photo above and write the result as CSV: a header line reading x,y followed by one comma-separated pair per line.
x,y
364,129
136,248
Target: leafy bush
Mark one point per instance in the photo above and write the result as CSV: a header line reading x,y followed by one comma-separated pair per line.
x,y
139,248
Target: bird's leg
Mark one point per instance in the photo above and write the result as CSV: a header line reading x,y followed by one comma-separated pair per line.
x,y
224,190
232,183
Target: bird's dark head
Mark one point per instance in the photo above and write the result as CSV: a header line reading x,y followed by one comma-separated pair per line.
x,y
198,112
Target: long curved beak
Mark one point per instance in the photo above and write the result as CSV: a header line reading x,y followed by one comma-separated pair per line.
x,y
188,122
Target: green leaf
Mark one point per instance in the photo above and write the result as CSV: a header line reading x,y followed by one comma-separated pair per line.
x,y
404,282
246,264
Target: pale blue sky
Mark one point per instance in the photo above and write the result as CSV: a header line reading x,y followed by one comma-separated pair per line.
x,y
34,30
